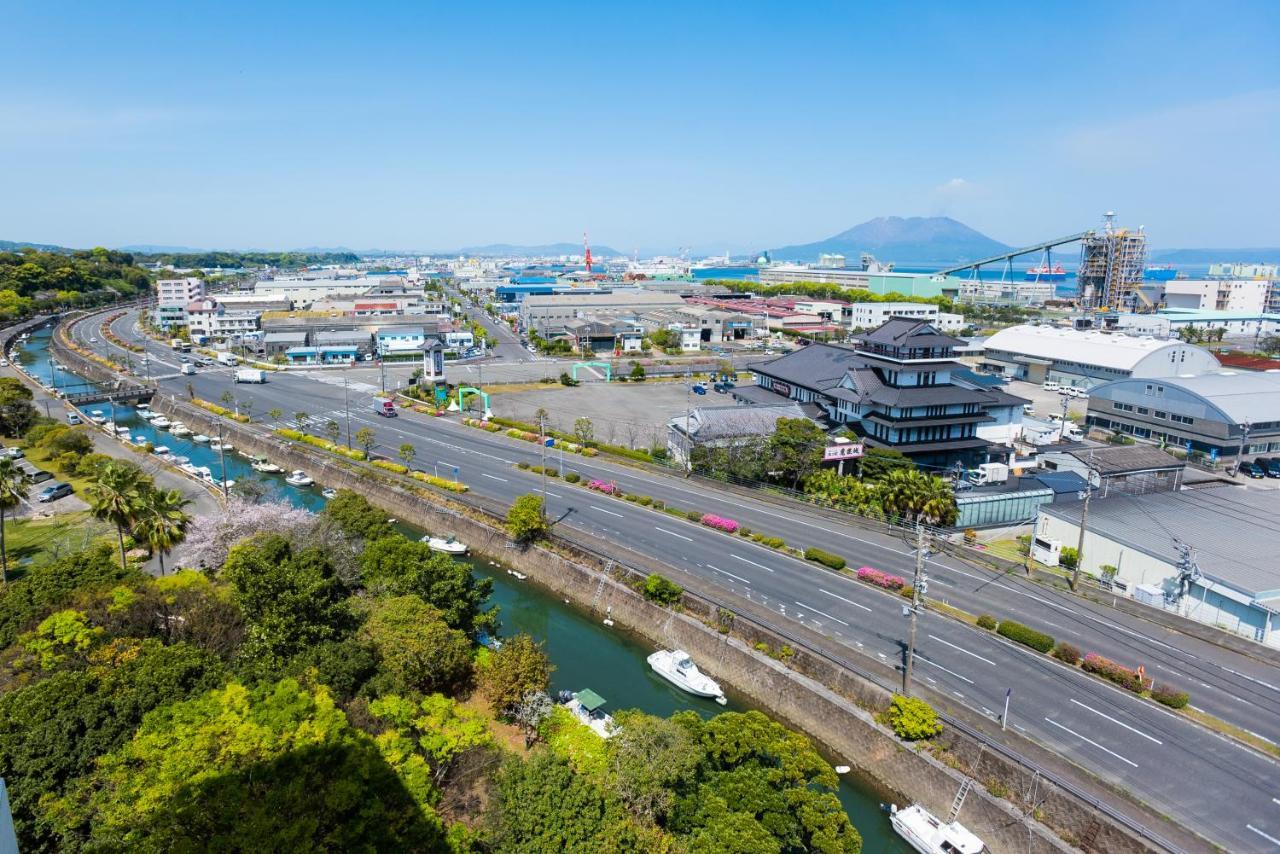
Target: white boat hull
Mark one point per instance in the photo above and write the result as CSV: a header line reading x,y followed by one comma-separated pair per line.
x,y
696,683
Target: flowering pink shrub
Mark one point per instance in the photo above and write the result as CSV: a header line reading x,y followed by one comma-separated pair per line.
x,y
603,486
720,523
1106,668
880,579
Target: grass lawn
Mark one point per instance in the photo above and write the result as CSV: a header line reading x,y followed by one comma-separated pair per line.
x,y
38,541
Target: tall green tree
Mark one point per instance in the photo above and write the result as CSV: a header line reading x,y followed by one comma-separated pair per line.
x,y
525,521
795,449
917,496
333,430
13,489
117,497
418,652
366,439
162,522
396,565
406,453
16,412
519,666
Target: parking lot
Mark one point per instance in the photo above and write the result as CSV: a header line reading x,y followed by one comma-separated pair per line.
x,y
1048,402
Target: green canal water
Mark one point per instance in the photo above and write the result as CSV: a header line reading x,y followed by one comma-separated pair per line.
x,y
586,653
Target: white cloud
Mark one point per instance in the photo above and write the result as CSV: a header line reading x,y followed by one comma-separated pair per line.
x,y
953,187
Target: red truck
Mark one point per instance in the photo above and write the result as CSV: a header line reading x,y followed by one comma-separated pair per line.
x,y
385,408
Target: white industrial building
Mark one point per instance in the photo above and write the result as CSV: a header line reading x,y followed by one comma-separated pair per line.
x,y
1085,358
1241,295
170,292
1229,579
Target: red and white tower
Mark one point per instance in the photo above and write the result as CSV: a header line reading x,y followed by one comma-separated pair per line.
x,y
587,247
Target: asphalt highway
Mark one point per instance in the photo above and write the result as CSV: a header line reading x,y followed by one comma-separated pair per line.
x,y
1229,793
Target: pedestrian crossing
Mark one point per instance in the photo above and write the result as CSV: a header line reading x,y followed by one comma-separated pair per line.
x,y
329,378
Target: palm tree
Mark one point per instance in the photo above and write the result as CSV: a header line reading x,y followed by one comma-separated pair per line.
x,y
917,496
163,523
13,488
117,498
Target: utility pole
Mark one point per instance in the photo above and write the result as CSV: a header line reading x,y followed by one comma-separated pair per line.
x,y
542,440
1084,520
918,584
1244,437
346,408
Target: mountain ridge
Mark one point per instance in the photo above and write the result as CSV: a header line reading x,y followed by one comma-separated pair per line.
x,y
901,240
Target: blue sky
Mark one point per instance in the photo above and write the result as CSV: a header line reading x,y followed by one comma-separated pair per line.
x,y
713,125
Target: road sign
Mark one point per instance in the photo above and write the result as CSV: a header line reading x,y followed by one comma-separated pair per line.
x,y
842,451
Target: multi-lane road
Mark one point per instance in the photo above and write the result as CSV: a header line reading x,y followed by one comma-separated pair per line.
x,y
1227,792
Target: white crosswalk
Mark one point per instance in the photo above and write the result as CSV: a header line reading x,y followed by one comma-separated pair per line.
x,y
334,379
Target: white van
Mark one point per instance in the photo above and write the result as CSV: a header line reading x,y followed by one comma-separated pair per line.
x,y
188,369
1051,385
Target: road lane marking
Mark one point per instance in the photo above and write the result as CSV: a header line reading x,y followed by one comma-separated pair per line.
x,y
962,649
552,495
673,534
493,477
730,574
1275,800
1091,741
610,512
940,667
828,616
1265,836
1250,678
1114,721
752,562
844,600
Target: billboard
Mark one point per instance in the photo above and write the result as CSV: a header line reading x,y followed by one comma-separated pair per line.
x,y
843,451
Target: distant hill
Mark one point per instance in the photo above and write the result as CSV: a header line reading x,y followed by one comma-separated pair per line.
x,y
156,249
510,250
14,246
1270,255
900,240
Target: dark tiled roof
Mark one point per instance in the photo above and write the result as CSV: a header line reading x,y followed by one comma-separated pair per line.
x,y
1126,458
904,332
814,366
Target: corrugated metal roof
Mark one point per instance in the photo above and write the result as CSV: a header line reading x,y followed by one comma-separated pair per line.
x,y
1231,529
1243,396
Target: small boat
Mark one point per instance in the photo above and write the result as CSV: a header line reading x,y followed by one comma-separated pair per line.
x,y
143,407
181,461
217,445
518,576
446,545
585,706
160,450
678,669
200,438
97,417
298,477
179,429
140,440
262,464
122,431
329,493
161,423
928,834
147,414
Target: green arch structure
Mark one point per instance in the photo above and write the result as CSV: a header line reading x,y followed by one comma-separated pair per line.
x,y
465,390
608,369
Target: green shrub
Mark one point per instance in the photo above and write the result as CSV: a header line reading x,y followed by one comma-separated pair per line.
x,y
774,542
693,516
390,466
1169,696
912,719
825,558
645,500
632,497
1069,557
1025,635
1066,652
659,589
907,592
988,622
522,464
572,476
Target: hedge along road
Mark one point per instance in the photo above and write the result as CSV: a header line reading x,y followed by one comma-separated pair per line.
x,y
1117,736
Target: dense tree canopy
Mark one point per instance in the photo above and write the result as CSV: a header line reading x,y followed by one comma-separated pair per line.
x,y
397,565
34,280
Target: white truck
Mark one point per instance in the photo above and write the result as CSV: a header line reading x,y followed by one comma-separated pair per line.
x,y
989,473
228,359
251,375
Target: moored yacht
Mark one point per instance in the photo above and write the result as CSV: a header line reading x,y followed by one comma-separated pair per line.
x,y
929,834
298,477
446,545
678,669
262,464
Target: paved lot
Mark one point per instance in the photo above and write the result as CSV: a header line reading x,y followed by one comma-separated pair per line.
x,y
628,414
1047,402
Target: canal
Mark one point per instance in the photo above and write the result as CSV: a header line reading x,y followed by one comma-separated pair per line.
x,y
586,653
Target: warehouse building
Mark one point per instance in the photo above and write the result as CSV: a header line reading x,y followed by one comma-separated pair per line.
x,y
1211,414
1085,358
541,312
1228,579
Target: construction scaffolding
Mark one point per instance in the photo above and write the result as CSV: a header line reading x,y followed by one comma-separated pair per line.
x,y
1111,266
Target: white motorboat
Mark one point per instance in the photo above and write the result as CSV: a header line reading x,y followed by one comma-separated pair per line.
x,y
929,834
217,445
122,431
179,429
446,545
329,493
200,438
140,440
143,407
298,477
678,669
147,414
97,417
262,464
160,450
161,423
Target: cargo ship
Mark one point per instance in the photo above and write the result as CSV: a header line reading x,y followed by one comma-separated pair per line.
x,y
1159,273
1045,273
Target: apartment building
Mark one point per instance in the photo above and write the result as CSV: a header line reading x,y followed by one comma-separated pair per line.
x,y
178,292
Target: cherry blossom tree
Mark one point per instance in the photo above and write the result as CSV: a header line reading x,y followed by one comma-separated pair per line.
x,y
211,536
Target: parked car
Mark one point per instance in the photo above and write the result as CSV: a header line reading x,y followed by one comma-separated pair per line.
x,y
53,492
73,418
1272,466
1252,469
699,388
14,453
